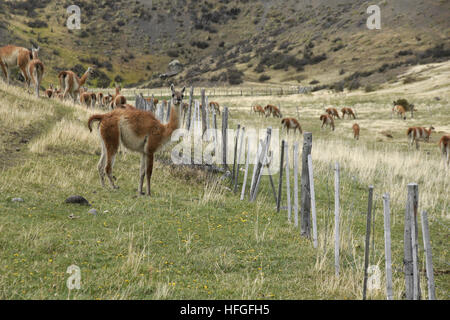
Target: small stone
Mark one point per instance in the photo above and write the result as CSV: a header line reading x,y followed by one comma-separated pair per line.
x,y
77,200
94,212
17,200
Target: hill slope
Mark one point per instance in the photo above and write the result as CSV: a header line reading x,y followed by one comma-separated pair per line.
x,y
232,41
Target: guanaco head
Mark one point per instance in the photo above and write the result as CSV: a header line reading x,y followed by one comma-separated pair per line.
x,y
177,96
35,52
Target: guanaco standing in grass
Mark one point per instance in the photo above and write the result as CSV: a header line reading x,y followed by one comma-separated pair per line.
x,y
349,112
137,130
419,133
71,84
272,110
118,100
356,130
15,57
258,109
35,71
327,120
291,123
50,92
444,145
215,105
400,111
333,112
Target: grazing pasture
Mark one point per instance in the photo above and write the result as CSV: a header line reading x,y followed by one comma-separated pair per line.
x,y
194,238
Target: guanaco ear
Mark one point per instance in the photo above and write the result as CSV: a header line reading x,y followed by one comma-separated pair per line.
x,y
184,89
172,87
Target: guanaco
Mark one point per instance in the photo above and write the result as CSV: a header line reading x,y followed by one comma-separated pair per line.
x,y
138,131
71,84
15,57
35,71
291,123
400,111
333,112
349,112
444,145
356,130
272,110
327,120
419,133
258,109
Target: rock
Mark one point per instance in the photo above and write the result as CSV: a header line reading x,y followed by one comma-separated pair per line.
x,y
17,200
94,212
78,200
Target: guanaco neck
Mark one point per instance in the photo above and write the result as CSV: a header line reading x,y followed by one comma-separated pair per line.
x,y
174,121
84,78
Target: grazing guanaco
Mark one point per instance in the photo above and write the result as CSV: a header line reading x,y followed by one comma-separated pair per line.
x,y
13,56
349,112
215,105
272,110
155,101
100,99
327,120
291,123
71,84
356,130
400,111
137,130
35,71
444,145
85,97
107,99
333,112
419,133
118,100
50,91
259,110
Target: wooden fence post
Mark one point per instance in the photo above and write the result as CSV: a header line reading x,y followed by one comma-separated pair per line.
x,y
288,186
387,246
236,141
367,246
306,192
203,110
428,256
191,100
241,143
313,200
336,218
296,146
247,160
224,137
280,181
260,164
411,275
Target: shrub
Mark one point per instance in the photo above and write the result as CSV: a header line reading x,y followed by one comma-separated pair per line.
x,y
263,78
234,76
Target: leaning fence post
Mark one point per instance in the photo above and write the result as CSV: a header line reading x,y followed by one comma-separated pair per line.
x,y
428,256
409,268
241,143
367,246
296,145
313,200
336,218
280,181
306,192
236,142
387,246
203,111
288,186
260,165
247,160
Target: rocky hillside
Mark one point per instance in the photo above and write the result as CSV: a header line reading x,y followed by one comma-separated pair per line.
x,y
322,44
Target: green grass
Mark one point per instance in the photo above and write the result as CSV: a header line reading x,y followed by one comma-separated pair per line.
x,y
183,242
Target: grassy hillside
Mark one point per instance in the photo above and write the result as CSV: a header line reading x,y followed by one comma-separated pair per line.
x,y
194,239
226,42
